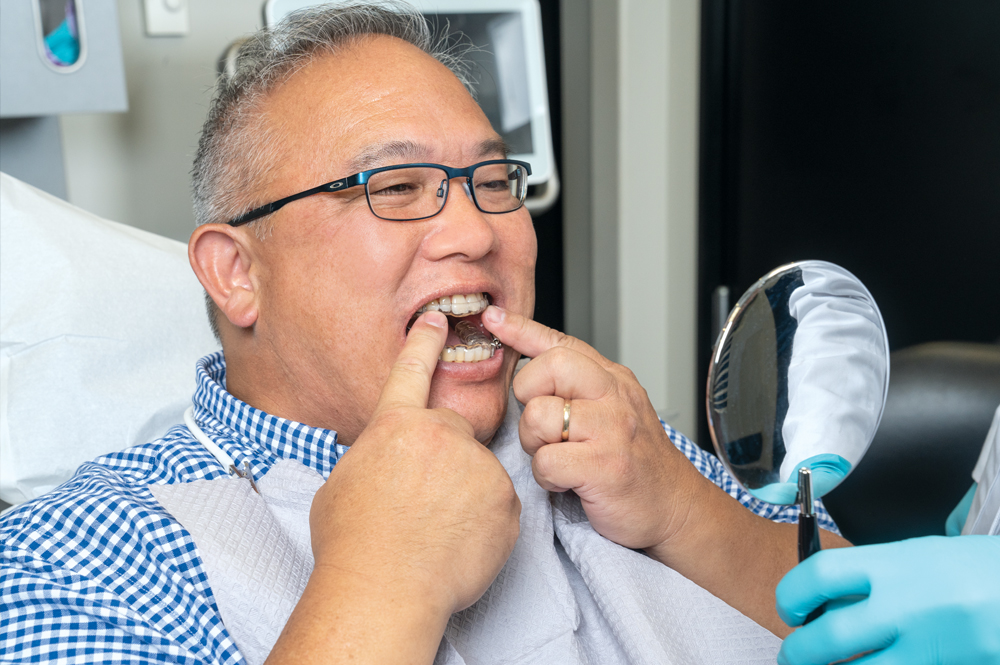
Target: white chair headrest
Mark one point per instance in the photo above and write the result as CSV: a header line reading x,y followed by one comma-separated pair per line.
x,y
100,328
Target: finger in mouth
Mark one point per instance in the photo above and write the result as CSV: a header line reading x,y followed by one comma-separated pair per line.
x,y
468,341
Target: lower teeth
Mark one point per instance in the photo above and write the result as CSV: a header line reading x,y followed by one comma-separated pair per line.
x,y
466,354
477,346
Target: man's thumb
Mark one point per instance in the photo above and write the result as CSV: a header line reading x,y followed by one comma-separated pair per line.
x,y
409,381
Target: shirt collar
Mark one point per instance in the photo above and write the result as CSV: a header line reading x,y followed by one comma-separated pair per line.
x,y
249,434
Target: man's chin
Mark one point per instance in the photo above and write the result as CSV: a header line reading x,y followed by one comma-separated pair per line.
x,y
476,391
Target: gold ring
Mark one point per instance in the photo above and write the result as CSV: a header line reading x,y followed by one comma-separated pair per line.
x,y
566,410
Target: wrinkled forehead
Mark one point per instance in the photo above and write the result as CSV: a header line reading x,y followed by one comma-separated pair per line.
x,y
378,102
401,151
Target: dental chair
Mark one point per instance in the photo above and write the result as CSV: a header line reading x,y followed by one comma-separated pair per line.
x,y
942,397
100,328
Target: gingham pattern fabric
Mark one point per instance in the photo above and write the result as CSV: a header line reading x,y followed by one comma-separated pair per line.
x,y
710,467
97,572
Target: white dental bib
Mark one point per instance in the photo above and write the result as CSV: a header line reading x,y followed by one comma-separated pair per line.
x,y
565,595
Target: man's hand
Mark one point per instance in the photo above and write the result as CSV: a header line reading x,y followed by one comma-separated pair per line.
x,y
417,492
634,485
414,523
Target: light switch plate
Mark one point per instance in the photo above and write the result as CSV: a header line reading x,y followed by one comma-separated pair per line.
x,y
166,18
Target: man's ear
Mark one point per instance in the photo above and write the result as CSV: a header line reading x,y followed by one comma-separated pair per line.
x,y
221,261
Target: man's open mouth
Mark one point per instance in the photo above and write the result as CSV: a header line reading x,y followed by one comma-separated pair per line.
x,y
468,341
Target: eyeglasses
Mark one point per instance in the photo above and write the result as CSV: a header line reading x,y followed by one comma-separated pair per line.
x,y
411,192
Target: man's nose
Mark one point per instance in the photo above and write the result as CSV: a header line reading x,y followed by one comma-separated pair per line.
x,y
460,229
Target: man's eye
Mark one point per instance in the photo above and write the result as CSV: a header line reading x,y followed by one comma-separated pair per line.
x,y
398,189
493,186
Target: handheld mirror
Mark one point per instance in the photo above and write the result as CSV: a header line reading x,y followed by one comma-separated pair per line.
x,y
797,385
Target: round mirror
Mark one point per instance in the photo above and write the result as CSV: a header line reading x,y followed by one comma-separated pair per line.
x,y
798,380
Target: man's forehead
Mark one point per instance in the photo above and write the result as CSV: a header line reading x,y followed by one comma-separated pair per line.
x,y
401,151
338,117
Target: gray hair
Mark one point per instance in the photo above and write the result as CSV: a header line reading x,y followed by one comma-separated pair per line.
x,y
237,150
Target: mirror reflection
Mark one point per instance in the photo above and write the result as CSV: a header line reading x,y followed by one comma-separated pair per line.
x,y
798,379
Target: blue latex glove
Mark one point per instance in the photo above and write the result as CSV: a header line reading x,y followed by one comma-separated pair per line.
x,y
827,472
932,601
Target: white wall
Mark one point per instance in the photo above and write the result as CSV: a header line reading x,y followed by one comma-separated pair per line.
x,y
657,169
135,167
631,291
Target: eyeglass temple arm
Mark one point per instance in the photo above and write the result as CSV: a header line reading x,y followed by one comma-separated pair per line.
x,y
269,208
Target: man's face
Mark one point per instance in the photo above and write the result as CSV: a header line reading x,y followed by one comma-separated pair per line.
x,y
338,286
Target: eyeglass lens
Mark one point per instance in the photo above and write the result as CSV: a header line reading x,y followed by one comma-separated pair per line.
x,y
421,191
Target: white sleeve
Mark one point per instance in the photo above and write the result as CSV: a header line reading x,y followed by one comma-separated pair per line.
x,y
984,514
837,372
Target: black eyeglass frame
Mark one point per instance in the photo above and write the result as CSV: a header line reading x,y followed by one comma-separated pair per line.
x,y
363,178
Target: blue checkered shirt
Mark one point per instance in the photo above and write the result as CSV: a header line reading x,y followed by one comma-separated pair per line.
x,y
96,571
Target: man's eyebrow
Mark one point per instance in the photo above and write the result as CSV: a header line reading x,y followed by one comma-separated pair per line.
x,y
493,147
377,155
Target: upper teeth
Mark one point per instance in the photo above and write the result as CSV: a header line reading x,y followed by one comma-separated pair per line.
x,y
457,305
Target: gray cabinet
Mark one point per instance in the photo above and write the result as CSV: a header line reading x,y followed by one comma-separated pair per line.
x,y
30,85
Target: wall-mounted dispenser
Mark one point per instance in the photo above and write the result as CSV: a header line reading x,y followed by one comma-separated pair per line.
x,y
59,24
60,57
56,56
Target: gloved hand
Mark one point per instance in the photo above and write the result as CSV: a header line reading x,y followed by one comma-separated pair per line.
x,y
932,600
827,472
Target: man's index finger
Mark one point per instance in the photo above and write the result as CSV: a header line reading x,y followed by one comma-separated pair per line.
x,y
532,338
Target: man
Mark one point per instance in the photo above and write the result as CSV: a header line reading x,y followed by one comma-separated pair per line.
x,y
316,301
